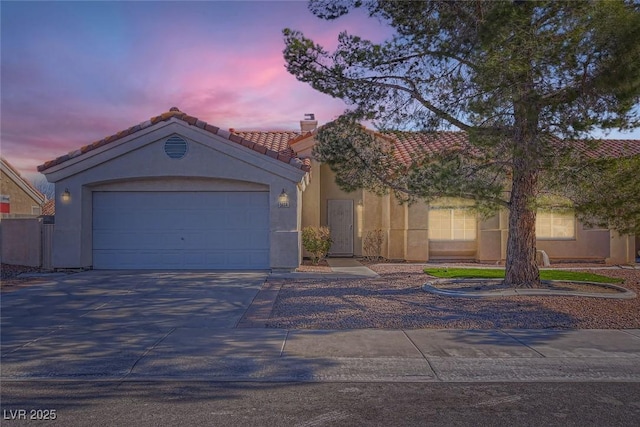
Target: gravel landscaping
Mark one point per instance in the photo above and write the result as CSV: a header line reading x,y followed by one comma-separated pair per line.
x,y
9,279
10,271
396,300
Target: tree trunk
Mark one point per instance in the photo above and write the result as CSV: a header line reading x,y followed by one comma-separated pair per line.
x,y
522,269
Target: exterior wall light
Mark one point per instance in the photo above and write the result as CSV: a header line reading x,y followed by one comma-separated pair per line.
x,y
66,196
283,199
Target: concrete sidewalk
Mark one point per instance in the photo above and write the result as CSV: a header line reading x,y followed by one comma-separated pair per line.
x,y
399,356
368,355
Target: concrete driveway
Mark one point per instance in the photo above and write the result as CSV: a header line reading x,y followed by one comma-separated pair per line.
x,y
104,322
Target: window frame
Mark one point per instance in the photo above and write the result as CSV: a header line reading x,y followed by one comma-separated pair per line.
x,y
574,228
467,211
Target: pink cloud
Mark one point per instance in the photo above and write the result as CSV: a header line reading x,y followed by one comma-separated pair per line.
x,y
75,81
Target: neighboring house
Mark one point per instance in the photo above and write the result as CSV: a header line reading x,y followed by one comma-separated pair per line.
x,y
49,208
18,198
175,192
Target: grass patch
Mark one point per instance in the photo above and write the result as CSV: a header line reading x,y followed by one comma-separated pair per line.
x,y
495,273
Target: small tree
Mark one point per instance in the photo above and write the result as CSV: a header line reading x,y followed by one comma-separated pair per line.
x,y
372,244
41,184
317,241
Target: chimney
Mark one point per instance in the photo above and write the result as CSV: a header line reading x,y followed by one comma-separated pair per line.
x,y
309,124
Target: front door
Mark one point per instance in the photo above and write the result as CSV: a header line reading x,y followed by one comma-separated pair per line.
x,y
340,221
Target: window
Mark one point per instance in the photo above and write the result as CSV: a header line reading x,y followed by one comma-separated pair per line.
x,y
452,224
555,225
35,210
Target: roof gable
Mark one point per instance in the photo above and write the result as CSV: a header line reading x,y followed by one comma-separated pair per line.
x,y
25,185
174,113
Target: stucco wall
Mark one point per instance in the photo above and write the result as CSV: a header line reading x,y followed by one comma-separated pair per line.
x,y
417,235
311,206
211,164
588,244
622,249
406,231
491,234
20,241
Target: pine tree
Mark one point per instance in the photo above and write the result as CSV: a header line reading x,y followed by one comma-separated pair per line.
x,y
521,78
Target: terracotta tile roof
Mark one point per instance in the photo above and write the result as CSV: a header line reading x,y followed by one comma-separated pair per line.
x,y
408,144
281,155
302,136
279,141
277,144
273,140
49,207
610,148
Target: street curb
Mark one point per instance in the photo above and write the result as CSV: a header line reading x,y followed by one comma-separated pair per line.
x,y
431,288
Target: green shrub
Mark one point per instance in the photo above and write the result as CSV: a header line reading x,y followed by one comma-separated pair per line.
x,y
317,241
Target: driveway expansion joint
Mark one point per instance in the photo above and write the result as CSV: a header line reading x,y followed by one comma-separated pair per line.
x,y
435,373
284,343
147,351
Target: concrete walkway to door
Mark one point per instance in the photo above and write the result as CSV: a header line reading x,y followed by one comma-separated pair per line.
x,y
350,267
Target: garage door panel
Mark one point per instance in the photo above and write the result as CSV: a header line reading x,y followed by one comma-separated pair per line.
x,y
244,259
237,221
216,257
189,230
258,257
193,258
139,259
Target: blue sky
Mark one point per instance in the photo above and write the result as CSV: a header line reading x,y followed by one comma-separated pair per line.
x,y
75,72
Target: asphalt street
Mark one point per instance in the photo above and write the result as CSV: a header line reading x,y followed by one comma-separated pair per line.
x,y
194,403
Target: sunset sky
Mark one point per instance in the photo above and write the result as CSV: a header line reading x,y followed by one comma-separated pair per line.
x,y
75,72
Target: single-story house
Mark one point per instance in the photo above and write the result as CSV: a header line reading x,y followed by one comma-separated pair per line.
x,y
18,198
175,192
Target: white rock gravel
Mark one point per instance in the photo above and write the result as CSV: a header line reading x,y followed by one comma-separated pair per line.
x,y
395,300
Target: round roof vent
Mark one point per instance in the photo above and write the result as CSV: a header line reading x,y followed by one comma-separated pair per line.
x,y
175,147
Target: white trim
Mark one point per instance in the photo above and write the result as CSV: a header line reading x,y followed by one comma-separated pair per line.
x,y
162,130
